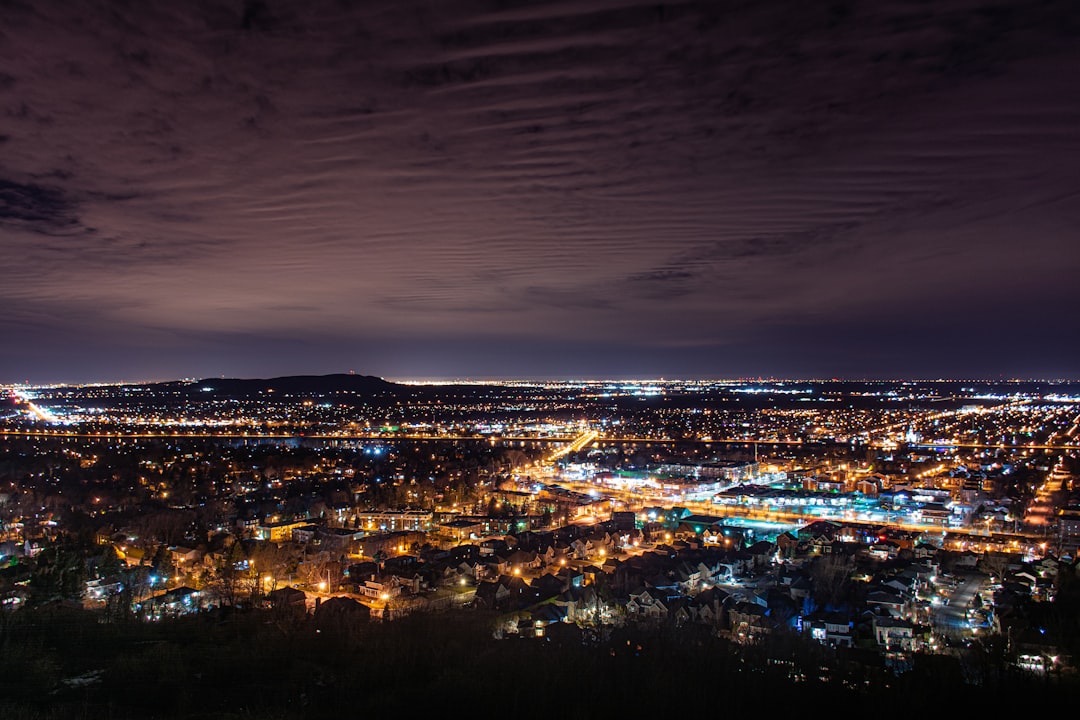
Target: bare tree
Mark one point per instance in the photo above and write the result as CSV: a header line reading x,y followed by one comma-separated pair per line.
x,y
831,577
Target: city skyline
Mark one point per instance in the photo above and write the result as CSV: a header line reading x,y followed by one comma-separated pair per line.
x,y
588,190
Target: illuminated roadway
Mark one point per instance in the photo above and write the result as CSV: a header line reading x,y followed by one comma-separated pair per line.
x,y
637,500
238,435
22,399
585,439
579,443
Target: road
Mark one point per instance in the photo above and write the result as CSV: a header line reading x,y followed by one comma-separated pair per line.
x,y
581,442
572,445
951,619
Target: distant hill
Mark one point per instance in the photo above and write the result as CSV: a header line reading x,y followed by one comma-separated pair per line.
x,y
294,385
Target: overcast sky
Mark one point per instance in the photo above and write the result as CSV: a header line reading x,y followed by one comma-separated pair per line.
x,y
586,188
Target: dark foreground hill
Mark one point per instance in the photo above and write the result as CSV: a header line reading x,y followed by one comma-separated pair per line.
x,y
274,666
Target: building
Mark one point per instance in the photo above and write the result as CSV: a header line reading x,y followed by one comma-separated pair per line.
x,y
396,520
461,530
624,520
279,531
730,472
896,634
388,544
338,539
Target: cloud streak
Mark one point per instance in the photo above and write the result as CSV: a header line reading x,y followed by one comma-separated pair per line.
x,y
743,182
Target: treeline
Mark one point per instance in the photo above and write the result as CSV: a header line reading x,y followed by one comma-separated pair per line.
x,y
62,662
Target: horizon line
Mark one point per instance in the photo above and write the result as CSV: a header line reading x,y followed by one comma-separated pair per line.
x,y
480,380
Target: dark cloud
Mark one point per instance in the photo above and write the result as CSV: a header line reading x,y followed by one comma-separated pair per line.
x,y
467,183
37,209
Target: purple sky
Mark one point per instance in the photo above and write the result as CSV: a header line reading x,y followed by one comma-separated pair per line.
x,y
586,188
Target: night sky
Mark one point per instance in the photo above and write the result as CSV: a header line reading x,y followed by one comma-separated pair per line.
x,y
585,188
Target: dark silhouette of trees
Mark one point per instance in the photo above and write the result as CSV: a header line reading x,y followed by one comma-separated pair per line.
x,y
59,573
831,578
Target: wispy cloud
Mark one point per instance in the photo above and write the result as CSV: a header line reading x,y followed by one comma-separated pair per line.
x,y
601,173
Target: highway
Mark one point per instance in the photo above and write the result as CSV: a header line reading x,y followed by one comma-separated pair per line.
x,y
581,442
20,399
573,443
239,435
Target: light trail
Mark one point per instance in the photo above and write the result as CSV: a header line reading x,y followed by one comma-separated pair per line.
x,y
585,439
32,408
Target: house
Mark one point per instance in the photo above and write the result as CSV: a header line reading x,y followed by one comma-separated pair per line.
x,y
788,574
461,553
521,593
278,531
535,623
384,545
582,549
492,595
761,553
550,556
801,588
923,572
924,551
884,550
360,570
966,559
833,629
787,544
131,555
592,574
688,577
474,570
694,526
548,586
886,599
820,545
524,560
185,557
402,564
647,604
580,604
460,530
679,611
337,539
288,597
896,634
104,535
710,570
821,530
900,584
496,544
496,565
571,577
178,601
305,533
10,549
99,589
749,622
733,565
340,614
708,607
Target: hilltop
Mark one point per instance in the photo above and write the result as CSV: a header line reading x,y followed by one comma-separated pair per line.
x,y
294,385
